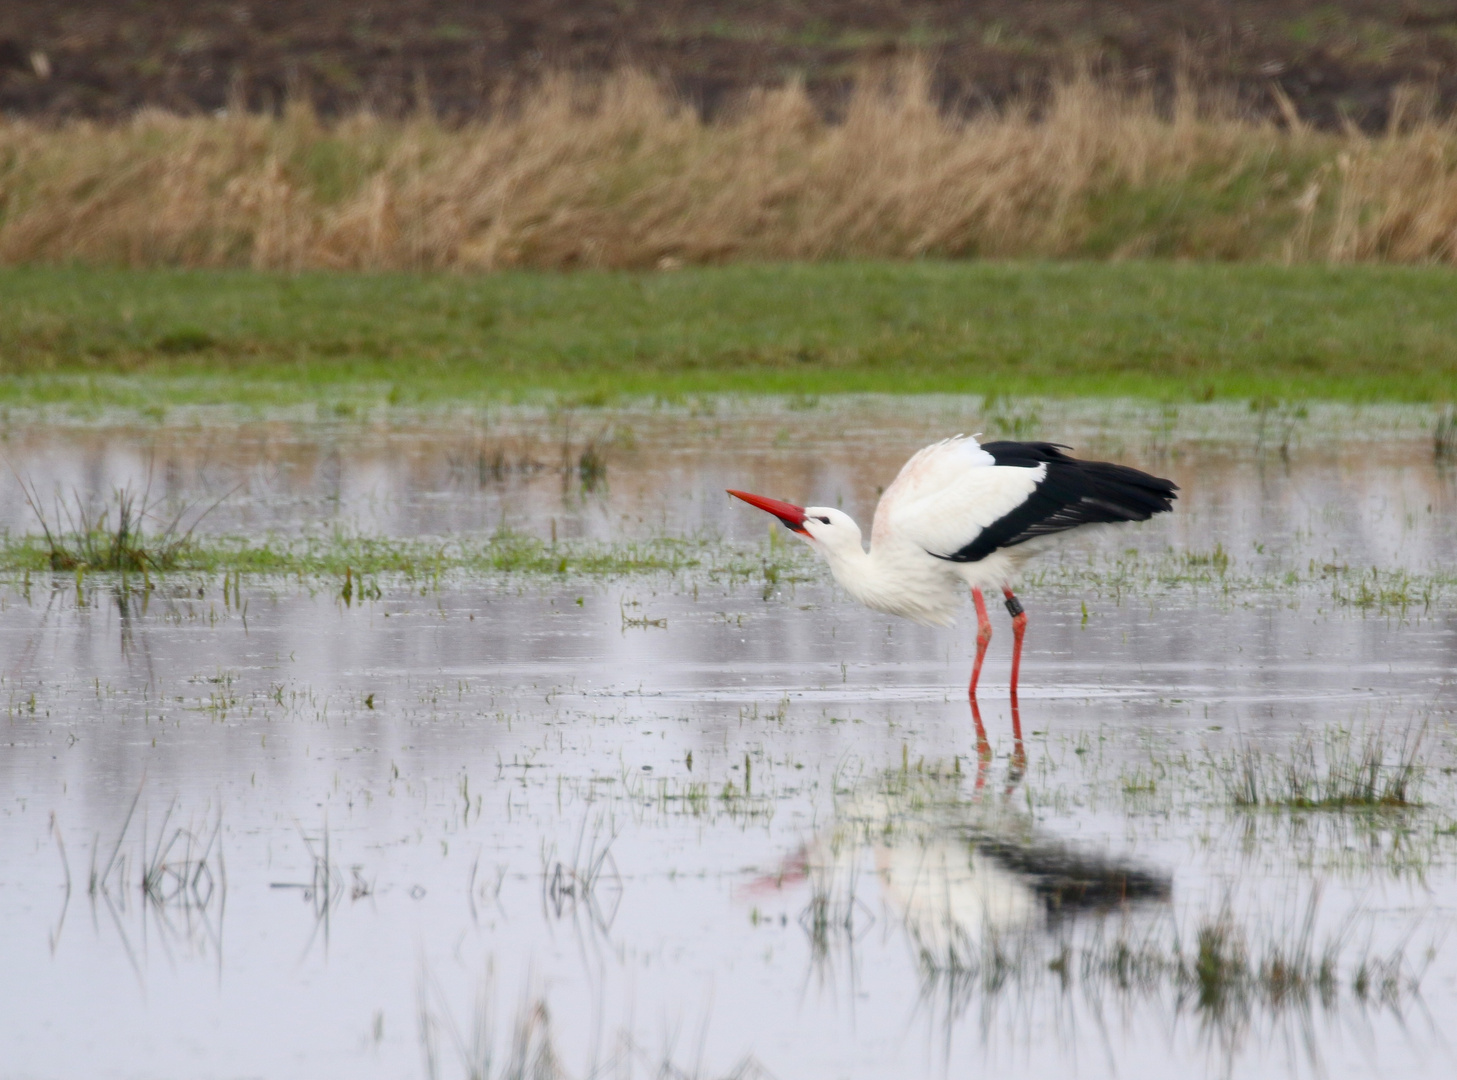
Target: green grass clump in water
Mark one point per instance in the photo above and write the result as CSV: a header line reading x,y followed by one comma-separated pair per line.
x,y
111,537
152,339
1346,776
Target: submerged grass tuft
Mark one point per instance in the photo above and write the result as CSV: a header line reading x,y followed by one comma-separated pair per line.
x,y
80,535
592,466
1444,439
1217,560
1341,774
525,1048
1224,974
1219,969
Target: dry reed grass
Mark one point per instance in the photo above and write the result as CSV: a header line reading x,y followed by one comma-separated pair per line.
x,y
618,174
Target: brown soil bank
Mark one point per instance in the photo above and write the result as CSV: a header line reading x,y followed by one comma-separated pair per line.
x,y
107,58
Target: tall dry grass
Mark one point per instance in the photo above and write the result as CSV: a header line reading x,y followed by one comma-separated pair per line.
x,y
619,174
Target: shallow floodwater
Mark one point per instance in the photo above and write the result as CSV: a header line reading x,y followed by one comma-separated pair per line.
x,y
728,824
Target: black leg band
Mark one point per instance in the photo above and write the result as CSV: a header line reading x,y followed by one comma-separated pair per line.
x,y
1014,606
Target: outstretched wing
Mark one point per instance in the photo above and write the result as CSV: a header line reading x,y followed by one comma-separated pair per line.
x,y
946,495
960,502
1068,493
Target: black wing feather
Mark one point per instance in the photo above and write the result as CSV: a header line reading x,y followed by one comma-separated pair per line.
x,y
1072,493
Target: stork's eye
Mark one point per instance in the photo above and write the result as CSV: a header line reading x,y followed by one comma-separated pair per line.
x,y
823,520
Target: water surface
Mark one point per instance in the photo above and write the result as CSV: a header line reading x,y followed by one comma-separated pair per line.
x,y
722,823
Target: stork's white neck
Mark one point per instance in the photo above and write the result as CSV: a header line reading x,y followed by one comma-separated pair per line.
x,y
893,579
857,570
895,576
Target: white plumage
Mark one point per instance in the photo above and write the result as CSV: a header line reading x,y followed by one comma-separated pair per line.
x,y
965,516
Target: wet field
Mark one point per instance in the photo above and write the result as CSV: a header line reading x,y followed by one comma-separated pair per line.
x,y
728,822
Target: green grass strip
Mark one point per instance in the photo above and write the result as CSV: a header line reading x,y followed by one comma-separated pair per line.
x,y
356,558
153,339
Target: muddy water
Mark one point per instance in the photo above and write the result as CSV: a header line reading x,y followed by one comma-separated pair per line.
x,y
688,820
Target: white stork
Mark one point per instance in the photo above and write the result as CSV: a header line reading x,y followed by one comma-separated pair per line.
x,y
962,514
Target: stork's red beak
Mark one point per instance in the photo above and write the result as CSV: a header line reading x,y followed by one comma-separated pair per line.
x,y
791,515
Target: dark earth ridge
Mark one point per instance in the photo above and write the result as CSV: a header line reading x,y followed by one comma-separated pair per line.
x,y
1336,61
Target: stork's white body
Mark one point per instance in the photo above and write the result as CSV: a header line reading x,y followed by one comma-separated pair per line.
x,y
943,497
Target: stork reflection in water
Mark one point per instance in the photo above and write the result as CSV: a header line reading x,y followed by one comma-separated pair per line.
x,y
960,863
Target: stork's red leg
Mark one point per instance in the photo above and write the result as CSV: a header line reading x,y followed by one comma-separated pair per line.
x,y
1019,628
983,639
